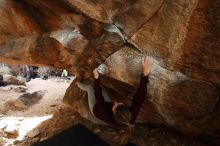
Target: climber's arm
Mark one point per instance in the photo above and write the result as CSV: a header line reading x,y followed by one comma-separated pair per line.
x,y
97,88
139,97
142,89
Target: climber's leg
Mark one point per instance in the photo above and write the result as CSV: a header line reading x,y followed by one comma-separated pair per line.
x,y
91,101
91,96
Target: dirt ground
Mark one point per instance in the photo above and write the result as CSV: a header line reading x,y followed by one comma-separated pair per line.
x,y
27,119
50,116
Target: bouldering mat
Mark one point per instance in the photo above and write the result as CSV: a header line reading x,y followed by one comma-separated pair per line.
x,y
77,135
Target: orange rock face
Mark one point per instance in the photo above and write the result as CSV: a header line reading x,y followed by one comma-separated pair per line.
x,y
182,36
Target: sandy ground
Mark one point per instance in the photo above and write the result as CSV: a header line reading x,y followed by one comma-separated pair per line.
x,y
50,116
27,119
54,91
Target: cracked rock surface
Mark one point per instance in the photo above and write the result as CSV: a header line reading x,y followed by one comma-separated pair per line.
x,y
182,36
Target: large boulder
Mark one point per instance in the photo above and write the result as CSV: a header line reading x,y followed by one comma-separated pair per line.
x,y
173,98
12,80
25,100
182,36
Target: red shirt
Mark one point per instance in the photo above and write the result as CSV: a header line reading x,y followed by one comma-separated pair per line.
x,y
103,109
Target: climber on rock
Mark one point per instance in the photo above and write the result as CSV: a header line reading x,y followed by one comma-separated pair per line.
x,y
114,113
